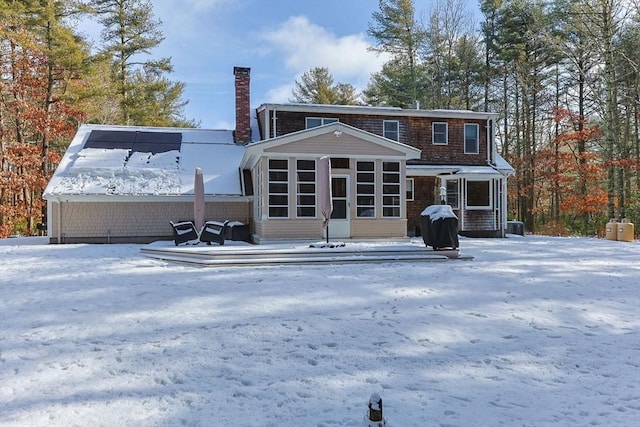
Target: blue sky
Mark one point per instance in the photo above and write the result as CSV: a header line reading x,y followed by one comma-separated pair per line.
x,y
278,39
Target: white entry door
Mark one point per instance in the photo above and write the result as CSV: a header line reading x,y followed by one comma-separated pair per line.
x,y
339,226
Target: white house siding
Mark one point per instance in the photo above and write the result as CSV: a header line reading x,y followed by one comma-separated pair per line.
x,y
293,228
130,222
312,229
378,228
279,229
338,141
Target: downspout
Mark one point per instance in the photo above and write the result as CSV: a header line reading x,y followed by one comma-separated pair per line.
x,y
462,197
502,181
59,221
489,140
267,127
49,219
504,206
274,119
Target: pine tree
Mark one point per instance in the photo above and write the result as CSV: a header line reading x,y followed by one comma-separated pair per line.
x,y
130,31
388,87
316,87
397,32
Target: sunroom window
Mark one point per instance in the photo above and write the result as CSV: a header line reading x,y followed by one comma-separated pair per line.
x,y
365,189
453,192
478,194
306,188
278,196
391,189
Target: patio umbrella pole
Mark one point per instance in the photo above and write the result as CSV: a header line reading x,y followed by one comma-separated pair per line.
x,y
325,201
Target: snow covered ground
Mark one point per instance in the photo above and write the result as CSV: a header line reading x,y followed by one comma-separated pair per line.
x,y
535,331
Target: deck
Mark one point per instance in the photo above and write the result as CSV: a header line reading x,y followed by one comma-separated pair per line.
x,y
244,254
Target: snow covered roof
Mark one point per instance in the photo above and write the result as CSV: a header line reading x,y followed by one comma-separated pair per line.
x,y
501,169
108,163
503,166
467,171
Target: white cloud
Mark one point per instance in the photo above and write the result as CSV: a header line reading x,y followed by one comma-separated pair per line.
x,y
203,5
280,94
305,45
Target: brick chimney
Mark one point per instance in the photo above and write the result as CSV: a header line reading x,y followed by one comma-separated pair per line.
x,y
242,134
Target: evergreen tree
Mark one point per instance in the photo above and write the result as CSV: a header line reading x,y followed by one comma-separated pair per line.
x,y
468,73
526,52
316,87
451,56
492,72
129,32
156,101
388,86
396,31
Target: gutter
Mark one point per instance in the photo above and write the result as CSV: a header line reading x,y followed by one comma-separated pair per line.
x,y
382,111
136,198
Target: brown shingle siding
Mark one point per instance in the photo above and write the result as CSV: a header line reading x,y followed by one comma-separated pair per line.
x,y
414,131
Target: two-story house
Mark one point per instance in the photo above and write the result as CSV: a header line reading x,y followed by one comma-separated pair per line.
x,y
458,162
387,164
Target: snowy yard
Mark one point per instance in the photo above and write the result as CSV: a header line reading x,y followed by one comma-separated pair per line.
x,y
535,331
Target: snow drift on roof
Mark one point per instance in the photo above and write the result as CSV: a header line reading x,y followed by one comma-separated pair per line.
x,y
119,171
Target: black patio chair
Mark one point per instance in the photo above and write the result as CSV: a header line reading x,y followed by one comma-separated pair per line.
x,y
183,232
213,231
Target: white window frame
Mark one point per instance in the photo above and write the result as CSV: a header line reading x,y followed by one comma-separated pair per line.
x,y
276,194
453,194
390,179
323,121
477,145
446,133
392,134
367,207
410,189
489,196
307,182
259,191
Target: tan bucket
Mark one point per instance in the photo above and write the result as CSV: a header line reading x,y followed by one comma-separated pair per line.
x,y
625,231
611,230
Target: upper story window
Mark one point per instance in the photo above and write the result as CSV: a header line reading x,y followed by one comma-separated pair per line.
x,y
471,138
391,129
440,133
312,122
